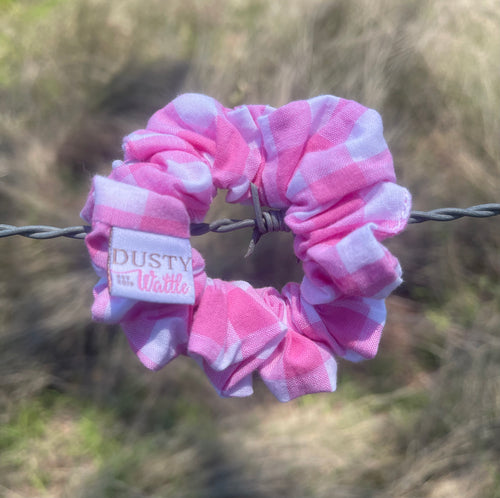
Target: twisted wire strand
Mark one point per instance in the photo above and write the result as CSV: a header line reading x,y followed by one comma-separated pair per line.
x,y
450,214
44,232
265,221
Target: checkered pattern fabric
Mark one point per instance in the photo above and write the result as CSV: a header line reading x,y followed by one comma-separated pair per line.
x,y
324,161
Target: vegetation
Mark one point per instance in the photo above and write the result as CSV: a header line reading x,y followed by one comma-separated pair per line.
x,y
80,417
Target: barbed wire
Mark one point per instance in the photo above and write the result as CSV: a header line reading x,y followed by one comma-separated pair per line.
x,y
80,231
450,214
268,221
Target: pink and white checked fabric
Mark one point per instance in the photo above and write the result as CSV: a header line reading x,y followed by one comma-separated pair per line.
x,y
326,162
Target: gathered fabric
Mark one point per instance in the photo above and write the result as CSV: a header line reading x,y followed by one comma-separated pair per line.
x,y
324,161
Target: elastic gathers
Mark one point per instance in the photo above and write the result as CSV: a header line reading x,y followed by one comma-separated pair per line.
x,y
324,166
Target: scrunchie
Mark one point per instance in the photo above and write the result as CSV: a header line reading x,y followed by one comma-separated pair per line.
x,y
326,163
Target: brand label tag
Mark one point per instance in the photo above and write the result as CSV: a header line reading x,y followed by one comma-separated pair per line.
x,y
150,267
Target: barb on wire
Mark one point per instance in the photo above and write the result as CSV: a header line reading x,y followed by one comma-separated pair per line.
x,y
265,221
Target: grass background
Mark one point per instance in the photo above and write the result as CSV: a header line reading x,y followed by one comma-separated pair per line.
x,y
80,417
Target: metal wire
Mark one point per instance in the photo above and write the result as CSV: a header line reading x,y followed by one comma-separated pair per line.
x,y
44,232
450,214
267,221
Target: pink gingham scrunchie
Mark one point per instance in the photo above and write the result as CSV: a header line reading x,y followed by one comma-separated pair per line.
x,y
325,162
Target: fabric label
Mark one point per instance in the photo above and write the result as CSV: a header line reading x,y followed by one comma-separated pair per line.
x,y
150,267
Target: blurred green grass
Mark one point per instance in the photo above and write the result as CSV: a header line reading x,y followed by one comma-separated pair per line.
x,y
80,417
